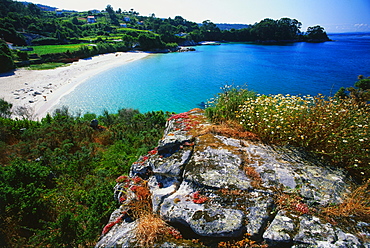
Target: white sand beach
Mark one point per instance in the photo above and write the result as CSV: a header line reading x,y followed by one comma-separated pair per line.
x,y
40,90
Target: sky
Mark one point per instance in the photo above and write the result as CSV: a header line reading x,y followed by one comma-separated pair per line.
x,y
334,15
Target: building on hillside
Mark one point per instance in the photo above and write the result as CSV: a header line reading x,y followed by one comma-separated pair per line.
x,y
123,25
181,34
95,11
91,19
126,19
10,45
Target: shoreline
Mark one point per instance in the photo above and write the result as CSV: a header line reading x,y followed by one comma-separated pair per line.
x,y
40,90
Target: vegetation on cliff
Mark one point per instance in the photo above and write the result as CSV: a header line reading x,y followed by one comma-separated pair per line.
x,y
333,128
57,175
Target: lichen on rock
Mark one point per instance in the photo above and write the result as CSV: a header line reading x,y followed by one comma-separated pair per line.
x,y
214,186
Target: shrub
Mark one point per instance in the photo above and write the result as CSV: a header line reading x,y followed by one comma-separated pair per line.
x,y
5,108
226,104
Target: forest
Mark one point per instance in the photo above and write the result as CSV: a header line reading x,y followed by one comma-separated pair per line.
x,y
27,25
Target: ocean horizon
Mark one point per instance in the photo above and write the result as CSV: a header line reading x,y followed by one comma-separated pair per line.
x,y
178,82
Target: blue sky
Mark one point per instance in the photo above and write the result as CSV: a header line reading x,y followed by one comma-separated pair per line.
x,y
334,15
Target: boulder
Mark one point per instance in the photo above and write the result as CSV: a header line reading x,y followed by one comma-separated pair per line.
x,y
214,187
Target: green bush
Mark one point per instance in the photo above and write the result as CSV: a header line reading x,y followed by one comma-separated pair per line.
x,y
60,187
5,108
225,105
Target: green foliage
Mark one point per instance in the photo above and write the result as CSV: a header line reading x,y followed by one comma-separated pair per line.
x,y
336,131
5,109
57,175
46,66
6,59
363,84
46,49
226,104
150,41
316,33
360,92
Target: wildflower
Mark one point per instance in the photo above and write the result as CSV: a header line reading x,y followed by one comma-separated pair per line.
x,y
137,179
122,179
345,141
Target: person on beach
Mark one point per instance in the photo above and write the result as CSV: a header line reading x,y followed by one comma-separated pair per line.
x,y
44,97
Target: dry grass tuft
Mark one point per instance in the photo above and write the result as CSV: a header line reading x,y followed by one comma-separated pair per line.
x,y
150,230
254,175
355,205
233,129
229,129
245,242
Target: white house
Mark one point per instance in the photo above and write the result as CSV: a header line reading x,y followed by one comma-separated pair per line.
x,y
91,19
126,19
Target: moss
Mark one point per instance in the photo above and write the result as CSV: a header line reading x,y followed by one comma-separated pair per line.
x,y
200,214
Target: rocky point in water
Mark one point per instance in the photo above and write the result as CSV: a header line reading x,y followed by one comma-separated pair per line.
x,y
213,189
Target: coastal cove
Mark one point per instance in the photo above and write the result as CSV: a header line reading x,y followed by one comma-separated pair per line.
x,y
181,81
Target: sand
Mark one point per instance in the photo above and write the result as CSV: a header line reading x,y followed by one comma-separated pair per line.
x,y
39,90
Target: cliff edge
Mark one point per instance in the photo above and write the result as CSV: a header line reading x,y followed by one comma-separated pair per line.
x,y
214,186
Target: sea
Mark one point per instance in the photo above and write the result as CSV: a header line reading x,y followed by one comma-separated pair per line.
x,y
178,82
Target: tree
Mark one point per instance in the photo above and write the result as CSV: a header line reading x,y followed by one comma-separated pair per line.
x,y
288,29
317,33
265,30
109,9
6,59
360,92
149,41
210,31
363,84
5,108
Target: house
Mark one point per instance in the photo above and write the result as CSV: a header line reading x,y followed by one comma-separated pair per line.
x,y
95,11
181,34
91,19
123,25
126,19
10,45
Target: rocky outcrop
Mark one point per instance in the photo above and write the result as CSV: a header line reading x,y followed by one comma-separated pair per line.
x,y
214,187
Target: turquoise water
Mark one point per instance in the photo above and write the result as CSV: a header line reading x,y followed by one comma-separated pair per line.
x,y
179,82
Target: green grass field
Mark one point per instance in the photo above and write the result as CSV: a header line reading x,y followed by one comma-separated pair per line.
x,y
41,50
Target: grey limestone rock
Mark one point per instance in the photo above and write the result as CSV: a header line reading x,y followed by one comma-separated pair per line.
x,y
216,186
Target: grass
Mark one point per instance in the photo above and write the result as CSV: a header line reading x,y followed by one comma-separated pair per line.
x,y
46,49
132,29
335,130
355,205
46,66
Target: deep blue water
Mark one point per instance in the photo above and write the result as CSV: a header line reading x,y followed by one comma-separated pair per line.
x,y
179,82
